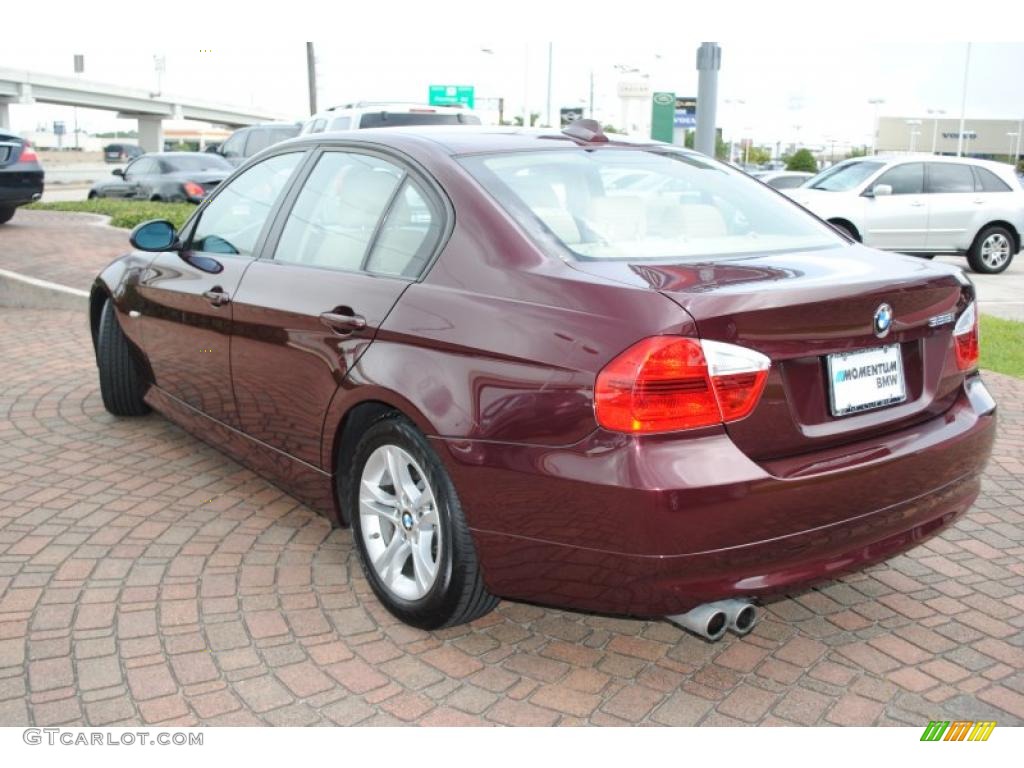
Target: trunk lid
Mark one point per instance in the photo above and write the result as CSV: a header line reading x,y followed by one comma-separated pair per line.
x,y
798,308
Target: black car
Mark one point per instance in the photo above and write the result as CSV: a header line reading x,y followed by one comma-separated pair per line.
x,y
246,142
120,153
21,175
167,176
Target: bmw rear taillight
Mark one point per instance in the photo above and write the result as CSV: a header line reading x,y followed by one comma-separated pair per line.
x,y
965,338
28,155
193,190
670,383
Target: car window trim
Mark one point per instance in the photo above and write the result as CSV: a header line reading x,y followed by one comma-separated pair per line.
x,y
189,227
410,167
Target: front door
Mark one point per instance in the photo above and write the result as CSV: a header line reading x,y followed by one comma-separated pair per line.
x,y
898,221
187,296
360,230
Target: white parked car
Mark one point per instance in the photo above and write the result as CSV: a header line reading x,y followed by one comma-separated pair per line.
x,y
923,205
782,179
385,114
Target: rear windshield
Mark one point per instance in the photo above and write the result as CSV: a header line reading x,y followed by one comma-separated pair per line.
x,y
393,119
841,178
204,162
642,204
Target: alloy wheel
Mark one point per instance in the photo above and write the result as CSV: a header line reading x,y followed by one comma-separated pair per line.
x,y
399,522
995,250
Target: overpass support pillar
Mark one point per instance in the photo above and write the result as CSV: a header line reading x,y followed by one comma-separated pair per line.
x,y
5,115
151,133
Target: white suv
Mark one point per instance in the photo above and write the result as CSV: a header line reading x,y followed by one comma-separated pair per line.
x,y
923,205
384,114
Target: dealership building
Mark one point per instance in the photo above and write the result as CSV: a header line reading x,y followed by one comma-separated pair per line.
x,y
982,138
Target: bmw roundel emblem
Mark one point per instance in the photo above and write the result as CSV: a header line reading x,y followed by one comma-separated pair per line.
x,y
883,321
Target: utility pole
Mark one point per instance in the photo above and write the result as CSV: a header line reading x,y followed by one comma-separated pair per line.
x,y
963,103
709,61
311,75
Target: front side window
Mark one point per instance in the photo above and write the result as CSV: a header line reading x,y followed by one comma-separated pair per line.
x,y
787,182
338,211
946,178
679,205
231,223
234,145
904,179
259,139
845,176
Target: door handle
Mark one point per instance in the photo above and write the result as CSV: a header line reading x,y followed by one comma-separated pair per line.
x,y
917,204
343,323
979,202
216,296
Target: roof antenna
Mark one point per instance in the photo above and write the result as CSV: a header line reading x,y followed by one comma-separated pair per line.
x,y
585,129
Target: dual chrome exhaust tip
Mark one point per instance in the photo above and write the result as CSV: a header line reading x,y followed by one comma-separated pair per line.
x,y
712,620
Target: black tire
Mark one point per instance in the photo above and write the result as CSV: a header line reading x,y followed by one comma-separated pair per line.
x,y
121,384
458,594
846,229
156,199
92,195
984,263
5,214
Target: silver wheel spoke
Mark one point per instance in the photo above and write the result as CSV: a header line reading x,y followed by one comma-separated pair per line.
x,y
389,563
429,517
423,567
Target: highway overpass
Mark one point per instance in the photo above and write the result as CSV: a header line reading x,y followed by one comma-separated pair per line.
x,y
23,87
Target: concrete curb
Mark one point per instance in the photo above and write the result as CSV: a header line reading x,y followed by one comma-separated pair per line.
x,y
26,292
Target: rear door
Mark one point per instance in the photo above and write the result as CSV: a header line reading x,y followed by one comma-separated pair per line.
x,y
951,195
187,296
898,221
361,227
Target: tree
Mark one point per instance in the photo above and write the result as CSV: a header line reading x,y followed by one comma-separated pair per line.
x,y
757,155
802,160
857,152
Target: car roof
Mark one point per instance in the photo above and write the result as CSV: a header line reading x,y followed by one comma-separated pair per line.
x,y
172,155
473,139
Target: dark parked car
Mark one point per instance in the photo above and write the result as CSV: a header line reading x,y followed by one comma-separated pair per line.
x,y
246,142
120,153
511,380
21,175
167,176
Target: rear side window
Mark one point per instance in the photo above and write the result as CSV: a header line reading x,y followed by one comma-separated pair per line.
x,y
946,178
388,119
231,223
988,181
408,235
337,214
787,182
904,179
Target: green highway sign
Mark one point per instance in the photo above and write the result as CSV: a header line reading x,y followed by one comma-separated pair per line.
x,y
451,96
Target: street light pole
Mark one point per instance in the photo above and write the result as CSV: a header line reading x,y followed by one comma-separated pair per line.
x,y
963,103
311,77
551,50
1016,154
874,129
935,126
709,61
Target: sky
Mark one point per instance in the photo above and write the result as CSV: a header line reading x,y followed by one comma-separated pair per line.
x,y
808,93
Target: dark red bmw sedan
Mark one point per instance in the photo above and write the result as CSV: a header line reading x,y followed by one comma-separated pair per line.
x,y
558,367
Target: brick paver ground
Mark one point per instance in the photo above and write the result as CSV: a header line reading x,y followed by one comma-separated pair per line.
x,y
145,578
29,246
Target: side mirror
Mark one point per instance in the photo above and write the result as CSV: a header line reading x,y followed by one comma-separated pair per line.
x,y
881,190
155,235
118,172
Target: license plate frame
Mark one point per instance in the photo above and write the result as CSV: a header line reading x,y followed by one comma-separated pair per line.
x,y
867,356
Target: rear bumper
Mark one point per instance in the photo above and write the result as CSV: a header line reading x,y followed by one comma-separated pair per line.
x,y
655,527
20,187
